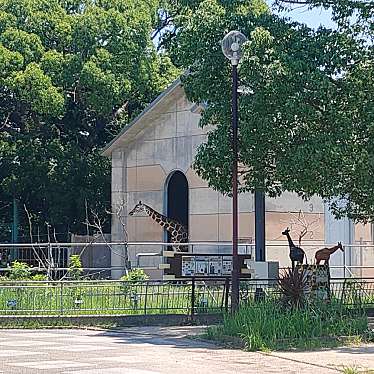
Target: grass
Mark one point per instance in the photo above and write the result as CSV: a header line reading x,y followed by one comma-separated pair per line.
x,y
106,298
356,370
350,370
269,326
57,324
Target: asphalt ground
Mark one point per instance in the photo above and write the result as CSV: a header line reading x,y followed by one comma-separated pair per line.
x,y
154,350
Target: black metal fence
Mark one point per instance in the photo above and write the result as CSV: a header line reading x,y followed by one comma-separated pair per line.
x,y
188,297
73,298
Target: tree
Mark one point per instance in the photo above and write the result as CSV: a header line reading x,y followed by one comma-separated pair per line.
x,y
72,73
342,10
306,115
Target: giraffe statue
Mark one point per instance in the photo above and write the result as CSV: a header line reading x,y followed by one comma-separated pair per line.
x,y
296,253
178,232
325,253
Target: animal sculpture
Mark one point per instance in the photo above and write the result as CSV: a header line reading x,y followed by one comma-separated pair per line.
x,y
297,254
325,253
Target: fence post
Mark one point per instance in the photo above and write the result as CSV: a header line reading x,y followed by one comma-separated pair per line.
x,y
227,289
50,262
145,297
61,298
193,298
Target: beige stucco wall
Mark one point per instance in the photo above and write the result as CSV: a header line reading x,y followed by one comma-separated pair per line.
x,y
363,253
169,142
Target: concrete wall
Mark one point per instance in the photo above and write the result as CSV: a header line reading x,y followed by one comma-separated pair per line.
x,y
169,142
93,256
363,253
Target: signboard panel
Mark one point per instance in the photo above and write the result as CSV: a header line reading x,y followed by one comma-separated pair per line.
x,y
206,266
184,264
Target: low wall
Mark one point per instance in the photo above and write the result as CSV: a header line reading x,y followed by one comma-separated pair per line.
x,y
125,321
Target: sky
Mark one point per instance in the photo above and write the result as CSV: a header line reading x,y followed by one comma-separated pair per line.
x,y
313,18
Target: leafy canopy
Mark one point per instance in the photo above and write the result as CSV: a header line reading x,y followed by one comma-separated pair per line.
x,y
71,72
307,115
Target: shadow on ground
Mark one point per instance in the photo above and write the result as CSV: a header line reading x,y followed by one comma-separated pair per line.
x,y
178,337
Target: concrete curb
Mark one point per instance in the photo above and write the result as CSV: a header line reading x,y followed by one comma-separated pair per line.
x,y
122,321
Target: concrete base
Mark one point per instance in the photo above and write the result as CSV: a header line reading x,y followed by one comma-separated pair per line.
x,y
114,320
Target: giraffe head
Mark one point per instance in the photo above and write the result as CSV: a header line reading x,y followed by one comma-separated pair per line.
x,y
285,232
340,246
139,208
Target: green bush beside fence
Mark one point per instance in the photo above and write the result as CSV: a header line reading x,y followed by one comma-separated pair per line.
x,y
268,325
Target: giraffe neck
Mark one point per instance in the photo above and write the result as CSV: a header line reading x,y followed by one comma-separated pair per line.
x,y
162,220
156,216
333,249
178,232
290,242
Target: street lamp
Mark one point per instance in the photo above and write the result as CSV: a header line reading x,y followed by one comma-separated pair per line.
x,y
231,47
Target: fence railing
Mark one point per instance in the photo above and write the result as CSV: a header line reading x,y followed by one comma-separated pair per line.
x,y
102,260
68,298
105,260
118,298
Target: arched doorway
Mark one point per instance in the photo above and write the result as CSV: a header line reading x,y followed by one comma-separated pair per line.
x,y
177,198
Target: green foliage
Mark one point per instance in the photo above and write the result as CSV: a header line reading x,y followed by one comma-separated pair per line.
x,y
75,267
135,275
66,68
19,271
267,325
351,370
346,13
33,85
131,283
307,126
39,277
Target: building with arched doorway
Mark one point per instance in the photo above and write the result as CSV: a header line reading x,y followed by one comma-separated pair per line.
x,y
152,162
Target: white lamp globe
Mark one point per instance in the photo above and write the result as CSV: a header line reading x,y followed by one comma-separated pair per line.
x,y
231,46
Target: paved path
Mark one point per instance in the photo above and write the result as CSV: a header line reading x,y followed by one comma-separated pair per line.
x,y
155,351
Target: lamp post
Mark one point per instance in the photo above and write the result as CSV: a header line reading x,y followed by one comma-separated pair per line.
x,y
231,47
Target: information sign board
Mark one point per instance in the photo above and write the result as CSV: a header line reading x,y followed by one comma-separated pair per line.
x,y
184,264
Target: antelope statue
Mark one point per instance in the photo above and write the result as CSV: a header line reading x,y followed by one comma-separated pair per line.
x,y
325,253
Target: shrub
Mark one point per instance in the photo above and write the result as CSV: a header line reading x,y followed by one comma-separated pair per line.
x,y
269,325
39,277
19,271
75,267
293,286
131,282
135,275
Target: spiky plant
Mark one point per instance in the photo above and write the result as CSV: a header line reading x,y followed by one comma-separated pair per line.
x,y
293,285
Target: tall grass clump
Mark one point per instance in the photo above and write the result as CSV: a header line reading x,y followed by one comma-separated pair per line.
x,y
271,326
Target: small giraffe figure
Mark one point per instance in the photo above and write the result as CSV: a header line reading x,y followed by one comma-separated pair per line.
x,y
178,232
325,253
296,253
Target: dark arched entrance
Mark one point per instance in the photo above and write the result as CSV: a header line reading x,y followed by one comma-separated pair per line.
x,y
177,199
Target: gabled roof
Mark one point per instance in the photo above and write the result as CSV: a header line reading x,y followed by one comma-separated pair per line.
x,y
119,139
